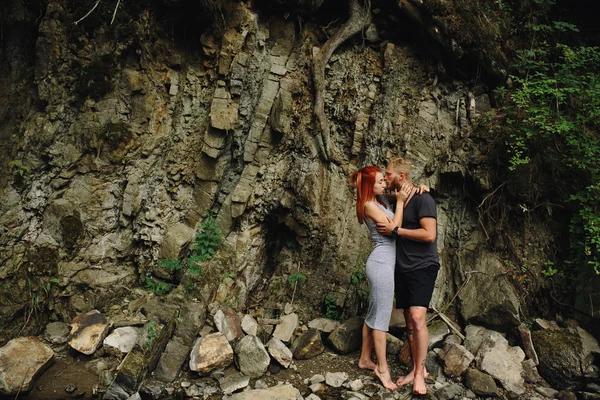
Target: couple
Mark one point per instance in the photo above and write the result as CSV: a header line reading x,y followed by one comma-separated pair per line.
x,y
404,262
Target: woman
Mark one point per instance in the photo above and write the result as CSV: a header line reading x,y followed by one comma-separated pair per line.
x,y
372,207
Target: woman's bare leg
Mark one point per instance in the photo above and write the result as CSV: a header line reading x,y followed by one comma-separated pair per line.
x,y
382,371
365,361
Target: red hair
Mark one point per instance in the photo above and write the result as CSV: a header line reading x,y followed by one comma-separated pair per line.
x,y
364,181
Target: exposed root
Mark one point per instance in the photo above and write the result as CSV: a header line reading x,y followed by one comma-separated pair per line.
x,y
360,17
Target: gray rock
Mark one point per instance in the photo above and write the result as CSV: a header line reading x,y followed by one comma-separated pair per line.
x,y
171,360
312,396
546,391
449,392
502,362
249,325
480,383
87,331
348,336
152,389
590,346
251,357
308,345
561,356
438,330
324,324
192,315
281,392
336,379
285,330
393,344
541,323
57,332
228,323
121,340
233,382
176,238
22,361
211,352
356,385
432,364
280,352
318,378
456,359
530,372
475,335
260,384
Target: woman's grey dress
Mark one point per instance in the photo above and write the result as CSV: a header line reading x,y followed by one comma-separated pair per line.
x,y
380,272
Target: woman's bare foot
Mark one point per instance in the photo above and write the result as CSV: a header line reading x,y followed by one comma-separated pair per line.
x,y
385,378
405,380
419,386
367,365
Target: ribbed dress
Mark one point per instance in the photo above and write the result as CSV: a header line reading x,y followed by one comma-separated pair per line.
x,y
380,272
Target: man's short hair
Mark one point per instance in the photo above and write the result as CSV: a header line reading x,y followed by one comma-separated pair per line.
x,y
401,164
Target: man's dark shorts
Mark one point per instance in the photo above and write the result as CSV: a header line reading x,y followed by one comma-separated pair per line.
x,y
415,288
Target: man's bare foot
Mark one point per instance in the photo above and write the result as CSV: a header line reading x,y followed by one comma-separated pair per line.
x,y
386,379
419,386
367,365
405,380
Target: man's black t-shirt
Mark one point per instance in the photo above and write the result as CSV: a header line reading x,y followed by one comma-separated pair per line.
x,y
411,254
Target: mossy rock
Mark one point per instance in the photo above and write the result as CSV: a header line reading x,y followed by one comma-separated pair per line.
x,y
561,355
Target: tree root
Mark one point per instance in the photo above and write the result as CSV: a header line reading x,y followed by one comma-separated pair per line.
x,y
360,17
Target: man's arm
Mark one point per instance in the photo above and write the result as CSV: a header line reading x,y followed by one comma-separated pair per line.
x,y
426,233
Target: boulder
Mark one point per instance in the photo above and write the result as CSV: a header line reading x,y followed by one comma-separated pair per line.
x,y
211,352
502,362
456,359
88,331
22,361
561,356
480,383
438,330
251,357
348,336
57,332
280,352
285,330
228,323
308,345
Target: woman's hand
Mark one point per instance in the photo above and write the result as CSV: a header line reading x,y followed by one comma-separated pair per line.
x,y
422,188
403,193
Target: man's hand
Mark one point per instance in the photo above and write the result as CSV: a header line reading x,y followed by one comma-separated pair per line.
x,y
386,228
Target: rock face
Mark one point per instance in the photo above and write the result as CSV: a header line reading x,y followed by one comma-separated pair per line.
x,y
22,361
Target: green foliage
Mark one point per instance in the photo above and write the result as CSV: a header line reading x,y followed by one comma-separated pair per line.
x,y
297,276
171,264
194,263
156,286
151,335
552,117
331,310
358,279
18,168
207,239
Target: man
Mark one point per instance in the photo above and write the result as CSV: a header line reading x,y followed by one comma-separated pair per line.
x,y
417,265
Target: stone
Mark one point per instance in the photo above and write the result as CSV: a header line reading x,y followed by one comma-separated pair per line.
x,y
590,347
530,372
307,345
280,392
141,359
480,383
356,385
541,323
312,396
280,352
233,382
432,364
324,325
393,344
57,332
318,378
438,330
192,316
251,357
348,336
561,356
449,392
171,360
336,379
249,325
88,331
176,239
22,361
211,352
525,334
228,323
121,340
317,387
546,391
287,327
456,359
152,389
502,362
